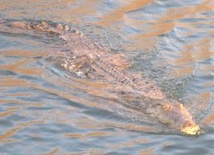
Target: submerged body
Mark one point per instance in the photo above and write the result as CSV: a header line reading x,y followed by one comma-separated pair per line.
x,y
91,60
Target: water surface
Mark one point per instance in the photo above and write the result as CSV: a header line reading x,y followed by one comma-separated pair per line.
x,y
47,110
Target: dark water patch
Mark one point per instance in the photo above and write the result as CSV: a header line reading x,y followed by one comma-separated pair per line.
x,y
175,3
192,20
7,73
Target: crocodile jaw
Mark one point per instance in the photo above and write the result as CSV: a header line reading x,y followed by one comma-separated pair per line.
x,y
177,116
189,127
191,130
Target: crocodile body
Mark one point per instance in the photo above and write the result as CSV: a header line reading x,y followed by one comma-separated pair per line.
x,y
90,60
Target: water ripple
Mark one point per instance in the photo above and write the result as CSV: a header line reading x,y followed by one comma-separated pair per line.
x,y
46,110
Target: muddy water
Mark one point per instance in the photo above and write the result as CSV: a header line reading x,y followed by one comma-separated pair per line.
x,y
47,110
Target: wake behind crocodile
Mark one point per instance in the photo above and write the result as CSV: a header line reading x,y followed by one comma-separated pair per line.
x,y
87,59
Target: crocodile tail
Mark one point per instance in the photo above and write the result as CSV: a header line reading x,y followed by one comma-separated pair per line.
x,y
22,25
42,26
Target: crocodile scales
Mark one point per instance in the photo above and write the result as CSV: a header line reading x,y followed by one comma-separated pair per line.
x,y
84,57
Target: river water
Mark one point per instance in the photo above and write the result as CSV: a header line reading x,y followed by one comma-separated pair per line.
x,y
47,110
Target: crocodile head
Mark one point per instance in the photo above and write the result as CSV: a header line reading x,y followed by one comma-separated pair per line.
x,y
176,116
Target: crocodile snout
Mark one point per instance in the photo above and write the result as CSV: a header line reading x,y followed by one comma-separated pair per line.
x,y
191,129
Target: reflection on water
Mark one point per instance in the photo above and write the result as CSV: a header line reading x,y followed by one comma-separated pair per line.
x,y
46,110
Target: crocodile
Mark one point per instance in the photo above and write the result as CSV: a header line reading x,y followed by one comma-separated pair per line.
x,y
88,59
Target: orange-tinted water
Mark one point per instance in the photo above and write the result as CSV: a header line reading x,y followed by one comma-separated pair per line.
x,y
46,110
